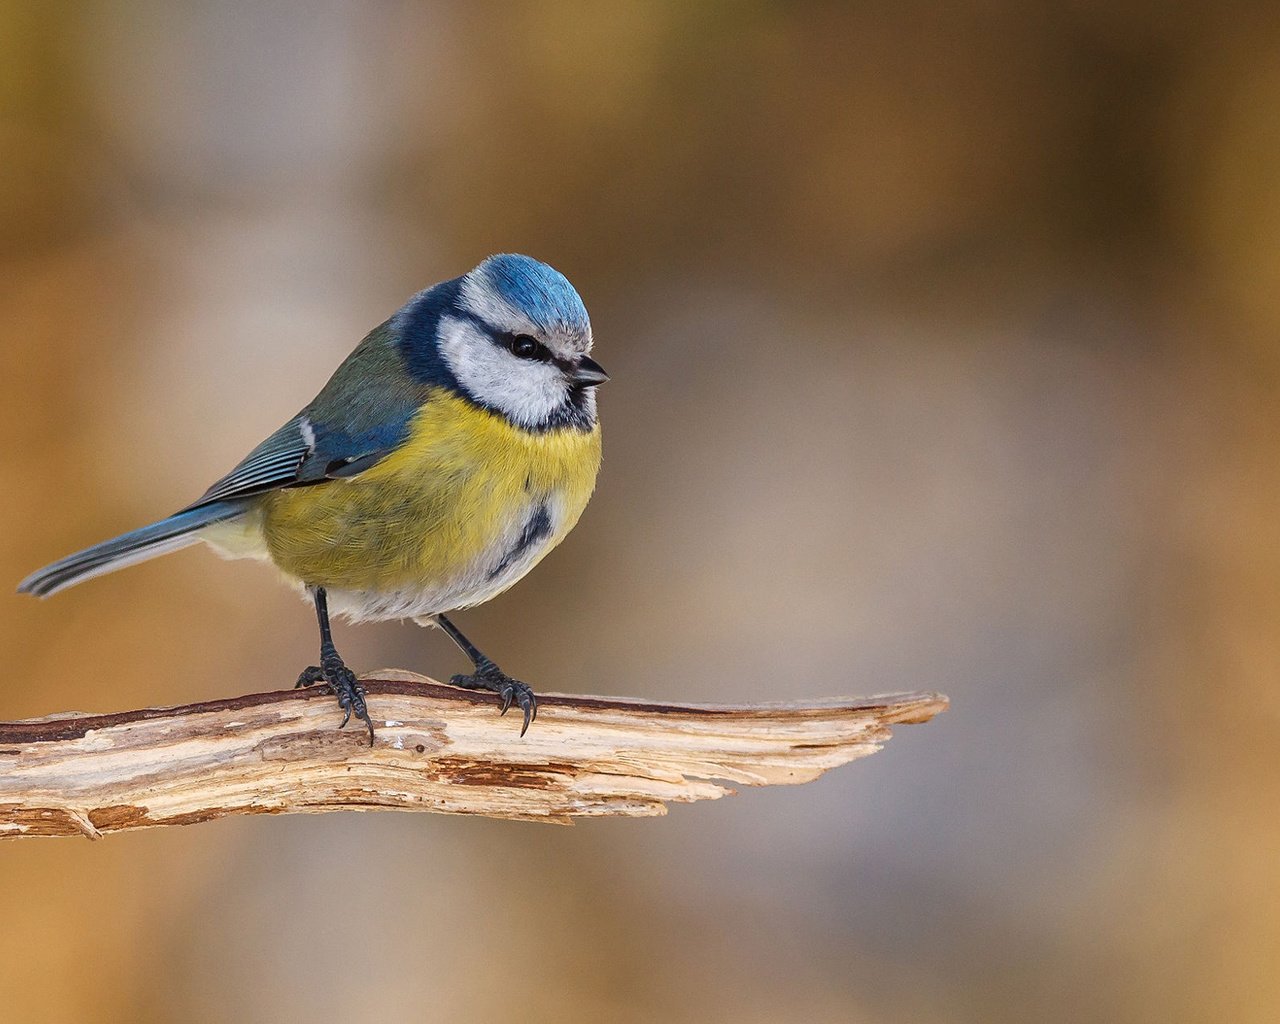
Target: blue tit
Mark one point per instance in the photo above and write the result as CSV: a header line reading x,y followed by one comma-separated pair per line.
x,y
454,448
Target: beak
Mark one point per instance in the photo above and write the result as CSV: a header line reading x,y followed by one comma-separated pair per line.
x,y
588,373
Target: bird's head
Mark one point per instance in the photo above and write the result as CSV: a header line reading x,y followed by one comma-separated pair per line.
x,y
514,337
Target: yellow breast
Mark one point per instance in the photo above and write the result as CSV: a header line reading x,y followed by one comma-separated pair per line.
x,y
442,511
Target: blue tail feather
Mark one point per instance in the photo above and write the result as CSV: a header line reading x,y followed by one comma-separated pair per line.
x,y
136,546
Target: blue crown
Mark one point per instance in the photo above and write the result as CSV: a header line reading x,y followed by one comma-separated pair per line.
x,y
542,294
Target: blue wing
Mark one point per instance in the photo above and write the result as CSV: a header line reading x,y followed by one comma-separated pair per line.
x,y
302,453
360,417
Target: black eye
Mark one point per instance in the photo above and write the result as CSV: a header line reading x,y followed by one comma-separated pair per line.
x,y
524,346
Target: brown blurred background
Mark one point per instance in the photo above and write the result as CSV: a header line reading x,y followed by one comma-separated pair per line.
x,y
944,343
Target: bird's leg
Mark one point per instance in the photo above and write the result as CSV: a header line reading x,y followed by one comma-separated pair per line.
x,y
333,671
488,676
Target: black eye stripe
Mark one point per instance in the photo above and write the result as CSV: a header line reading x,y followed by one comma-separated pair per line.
x,y
507,338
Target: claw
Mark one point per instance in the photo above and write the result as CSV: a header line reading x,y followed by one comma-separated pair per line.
x,y
344,685
362,713
509,691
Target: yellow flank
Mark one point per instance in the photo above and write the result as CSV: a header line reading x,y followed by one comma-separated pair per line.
x,y
464,480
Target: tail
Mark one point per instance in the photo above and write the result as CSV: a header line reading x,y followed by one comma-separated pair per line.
x,y
128,549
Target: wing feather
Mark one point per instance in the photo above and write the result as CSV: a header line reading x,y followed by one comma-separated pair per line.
x,y
274,463
360,416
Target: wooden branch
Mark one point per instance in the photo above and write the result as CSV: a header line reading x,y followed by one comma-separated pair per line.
x,y
438,749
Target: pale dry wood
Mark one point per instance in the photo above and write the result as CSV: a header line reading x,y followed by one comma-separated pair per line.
x,y
438,749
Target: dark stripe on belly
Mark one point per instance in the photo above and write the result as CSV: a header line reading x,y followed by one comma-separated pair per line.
x,y
535,531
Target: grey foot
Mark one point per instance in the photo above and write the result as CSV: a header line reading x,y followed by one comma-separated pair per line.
x,y
343,684
511,691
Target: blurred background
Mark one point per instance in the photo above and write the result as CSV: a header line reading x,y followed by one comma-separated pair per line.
x,y
944,344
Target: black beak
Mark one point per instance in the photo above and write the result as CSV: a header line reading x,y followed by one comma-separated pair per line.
x,y
588,373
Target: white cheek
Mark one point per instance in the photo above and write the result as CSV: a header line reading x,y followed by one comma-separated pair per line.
x,y
527,392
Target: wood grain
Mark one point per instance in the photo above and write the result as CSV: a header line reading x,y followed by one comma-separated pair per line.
x,y
438,748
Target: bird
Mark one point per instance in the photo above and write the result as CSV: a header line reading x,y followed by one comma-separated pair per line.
x,y
455,446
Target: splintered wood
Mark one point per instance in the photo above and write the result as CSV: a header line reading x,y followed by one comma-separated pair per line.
x,y
437,748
